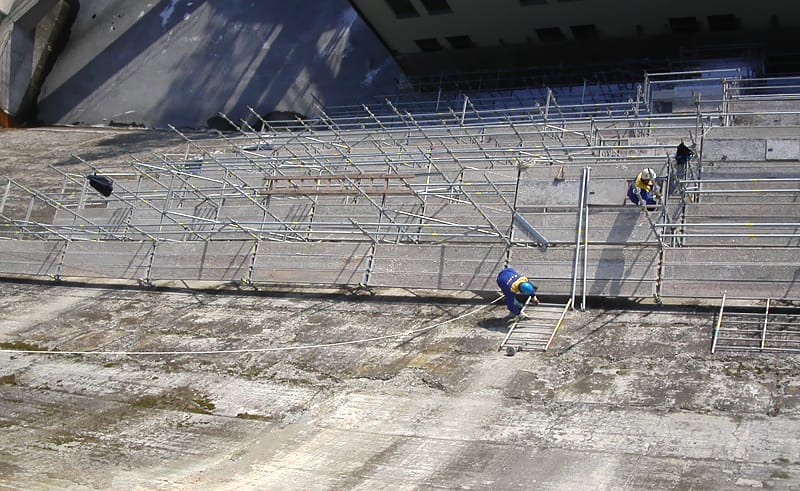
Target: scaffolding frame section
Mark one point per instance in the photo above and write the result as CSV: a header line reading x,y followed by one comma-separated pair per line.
x,y
765,331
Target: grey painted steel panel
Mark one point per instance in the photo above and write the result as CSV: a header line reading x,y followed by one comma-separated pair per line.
x,y
30,256
221,261
311,263
129,260
743,272
448,267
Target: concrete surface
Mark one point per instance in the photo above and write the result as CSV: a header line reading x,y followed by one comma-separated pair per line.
x,y
181,62
625,398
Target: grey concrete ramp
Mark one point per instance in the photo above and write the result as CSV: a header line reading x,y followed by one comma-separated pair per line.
x,y
107,259
311,263
33,257
768,272
216,261
447,267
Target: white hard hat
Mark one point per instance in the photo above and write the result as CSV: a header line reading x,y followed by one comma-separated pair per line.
x,y
648,174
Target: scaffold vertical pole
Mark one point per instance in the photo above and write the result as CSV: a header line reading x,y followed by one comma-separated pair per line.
x,y
764,329
719,323
585,239
578,235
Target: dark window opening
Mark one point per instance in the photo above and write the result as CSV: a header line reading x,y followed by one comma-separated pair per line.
x,y
428,44
532,2
728,22
584,32
550,34
403,8
435,7
562,1
460,42
683,25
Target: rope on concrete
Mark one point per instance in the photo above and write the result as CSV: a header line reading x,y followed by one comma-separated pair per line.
x,y
254,350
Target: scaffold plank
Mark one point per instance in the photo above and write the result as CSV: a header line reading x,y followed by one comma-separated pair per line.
x,y
447,266
742,272
311,263
107,259
216,261
33,257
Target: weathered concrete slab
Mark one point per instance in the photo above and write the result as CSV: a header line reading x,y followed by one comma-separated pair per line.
x,y
534,191
783,149
311,263
761,112
447,267
220,261
748,170
32,257
734,149
107,259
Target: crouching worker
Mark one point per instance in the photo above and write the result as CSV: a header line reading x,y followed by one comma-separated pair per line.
x,y
517,290
683,154
644,191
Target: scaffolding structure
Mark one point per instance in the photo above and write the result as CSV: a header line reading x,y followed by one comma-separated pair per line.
x,y
440,199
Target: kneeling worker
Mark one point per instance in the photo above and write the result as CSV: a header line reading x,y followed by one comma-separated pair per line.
x,y
644,191
517,290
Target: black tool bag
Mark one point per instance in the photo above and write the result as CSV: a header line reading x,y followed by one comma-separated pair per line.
x,y
102,184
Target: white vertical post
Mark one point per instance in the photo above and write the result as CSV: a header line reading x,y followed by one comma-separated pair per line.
x,y
764,330
587,170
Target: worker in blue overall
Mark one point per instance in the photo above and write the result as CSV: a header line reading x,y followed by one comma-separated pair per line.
x,y
517,290
644,191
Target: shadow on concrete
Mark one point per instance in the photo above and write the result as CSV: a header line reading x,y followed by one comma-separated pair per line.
x,y
221,56
495,324
112,60
124,143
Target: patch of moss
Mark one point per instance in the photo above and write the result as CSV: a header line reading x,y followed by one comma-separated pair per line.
x,y
256,417
204,403
780,475
8,380
21,345
179,399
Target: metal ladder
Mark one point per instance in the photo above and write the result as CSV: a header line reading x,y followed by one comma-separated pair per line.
x,y
536,333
